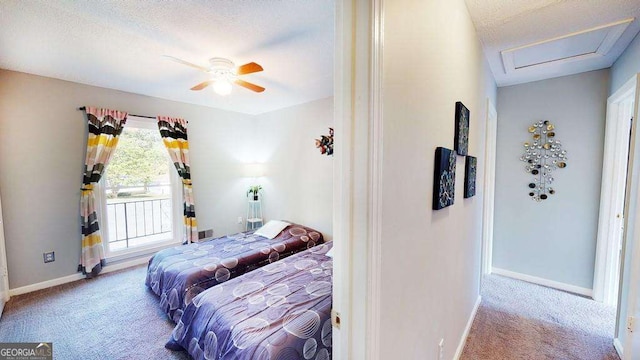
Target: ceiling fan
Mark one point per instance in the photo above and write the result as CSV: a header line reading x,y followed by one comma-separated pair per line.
x,y
223,73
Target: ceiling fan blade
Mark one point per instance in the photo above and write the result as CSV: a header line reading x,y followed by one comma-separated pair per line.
x,y
202,68
202,85
249,85
249,68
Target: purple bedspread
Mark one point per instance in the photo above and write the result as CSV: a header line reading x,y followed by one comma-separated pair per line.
x,y
180,273
279,312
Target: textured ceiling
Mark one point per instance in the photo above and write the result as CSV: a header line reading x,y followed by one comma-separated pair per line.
x,y
119,45
503,25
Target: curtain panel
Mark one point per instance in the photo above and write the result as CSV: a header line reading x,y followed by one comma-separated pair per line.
x,y
104,127
174,136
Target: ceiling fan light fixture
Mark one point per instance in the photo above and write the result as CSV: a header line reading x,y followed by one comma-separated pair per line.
x,y
223,74
222,87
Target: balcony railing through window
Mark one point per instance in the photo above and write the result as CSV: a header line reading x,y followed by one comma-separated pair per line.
x,y
138,221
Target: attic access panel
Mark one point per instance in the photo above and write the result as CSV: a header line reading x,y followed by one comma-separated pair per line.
x,y
582,45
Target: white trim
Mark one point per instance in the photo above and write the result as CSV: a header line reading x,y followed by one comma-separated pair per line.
x,y
618,346
467,329
544,282
632,237
4,267
614,169
45,284
489,188
126,264
142,122
75,277
342,177
374,267
136,252
356,191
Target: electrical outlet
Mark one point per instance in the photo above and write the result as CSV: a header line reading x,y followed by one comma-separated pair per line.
x,y
239,219
49,257
441,350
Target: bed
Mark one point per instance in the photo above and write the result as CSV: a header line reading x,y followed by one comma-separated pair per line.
x,y
279,312
180,273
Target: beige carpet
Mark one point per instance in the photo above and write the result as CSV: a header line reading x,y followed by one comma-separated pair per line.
x,y
522,321
111,317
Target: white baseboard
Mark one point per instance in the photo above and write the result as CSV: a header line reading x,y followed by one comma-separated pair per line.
x,y
126,264
45,284
618,346
467,329
75,277
544,282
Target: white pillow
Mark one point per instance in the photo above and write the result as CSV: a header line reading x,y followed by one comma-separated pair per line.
x,y
329,253
272,228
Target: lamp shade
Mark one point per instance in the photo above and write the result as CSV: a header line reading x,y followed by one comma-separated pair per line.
x,y
254,170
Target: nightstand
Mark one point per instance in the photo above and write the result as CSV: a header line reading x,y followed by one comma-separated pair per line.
x,y
254,215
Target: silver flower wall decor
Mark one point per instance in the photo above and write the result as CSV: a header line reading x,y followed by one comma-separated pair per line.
x,y
542,155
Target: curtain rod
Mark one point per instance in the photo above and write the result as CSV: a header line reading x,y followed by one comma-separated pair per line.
x,y
142,116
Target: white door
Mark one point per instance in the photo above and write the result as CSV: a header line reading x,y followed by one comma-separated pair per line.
x,y
4,278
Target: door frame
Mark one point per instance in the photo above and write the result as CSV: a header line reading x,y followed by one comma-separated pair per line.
x,y
357,179
631,240
490,153
4,267
614,178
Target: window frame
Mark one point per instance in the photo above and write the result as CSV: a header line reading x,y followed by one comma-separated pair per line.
x,y
176,200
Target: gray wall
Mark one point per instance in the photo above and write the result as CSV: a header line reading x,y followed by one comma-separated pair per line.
x,y
627,65
42,145
554,239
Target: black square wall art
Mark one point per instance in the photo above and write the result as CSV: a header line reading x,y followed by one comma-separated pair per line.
x,y
461,141
470,168
444,182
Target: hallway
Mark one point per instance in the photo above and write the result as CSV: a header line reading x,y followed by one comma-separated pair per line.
x,y
521,321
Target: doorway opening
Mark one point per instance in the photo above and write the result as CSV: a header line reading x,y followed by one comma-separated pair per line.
x,y
620,108
615,209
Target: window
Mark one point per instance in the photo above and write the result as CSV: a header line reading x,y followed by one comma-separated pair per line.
x,y
138,199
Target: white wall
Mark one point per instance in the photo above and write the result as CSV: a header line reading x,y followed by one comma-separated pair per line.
x,y
42,145
430,259
298,183
627,65
220,143
554,239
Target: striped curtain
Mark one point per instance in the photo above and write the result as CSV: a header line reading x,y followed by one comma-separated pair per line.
x,y
174,136
104,128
